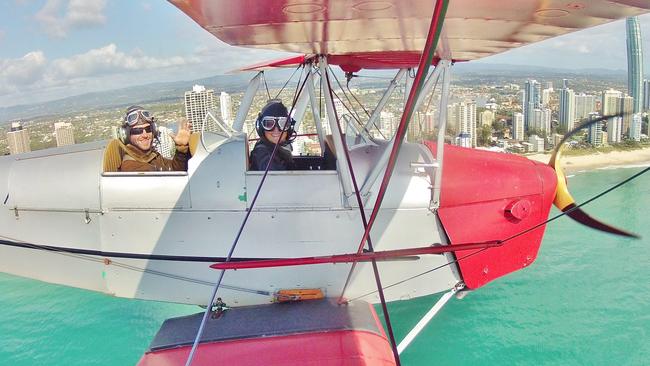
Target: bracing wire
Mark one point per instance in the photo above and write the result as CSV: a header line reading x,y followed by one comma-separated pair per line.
x,y
355,115
93,258
288,80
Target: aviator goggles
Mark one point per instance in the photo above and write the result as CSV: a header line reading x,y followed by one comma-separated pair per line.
x,y
132,118
140,130
269,123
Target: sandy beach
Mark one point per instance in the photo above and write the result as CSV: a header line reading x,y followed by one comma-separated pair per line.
x,y
572,164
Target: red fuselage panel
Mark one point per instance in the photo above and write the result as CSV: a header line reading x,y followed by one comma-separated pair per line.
x,y
492,196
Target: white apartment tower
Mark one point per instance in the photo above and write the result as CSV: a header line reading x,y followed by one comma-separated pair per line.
x,y
611,103
614,128
465,113
584,104
198,102
18,139
64,133
626,106
635,127
567,109
518,126
595,133
532,100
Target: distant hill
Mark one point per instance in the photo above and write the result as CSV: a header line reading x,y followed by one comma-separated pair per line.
x,y
142,94
532,71
164,91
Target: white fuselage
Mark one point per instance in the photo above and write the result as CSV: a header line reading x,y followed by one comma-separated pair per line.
x,y
107,223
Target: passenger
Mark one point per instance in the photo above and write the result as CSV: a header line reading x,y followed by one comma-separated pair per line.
x,y
274,126
139,130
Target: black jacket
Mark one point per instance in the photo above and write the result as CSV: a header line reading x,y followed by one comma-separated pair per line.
x,y
283,160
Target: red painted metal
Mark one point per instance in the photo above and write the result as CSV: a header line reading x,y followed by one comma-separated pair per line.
x,y
292,61
348,258
478,189
473,28
350,63
327,348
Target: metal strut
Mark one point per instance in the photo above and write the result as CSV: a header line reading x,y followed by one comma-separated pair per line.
x,y
427,318
362,212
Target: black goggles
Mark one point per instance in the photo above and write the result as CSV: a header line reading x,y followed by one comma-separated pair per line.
x,y
269,123
141,130
132,118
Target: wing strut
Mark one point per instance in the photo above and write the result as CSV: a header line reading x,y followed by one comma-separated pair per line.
x,y
426,59
433,36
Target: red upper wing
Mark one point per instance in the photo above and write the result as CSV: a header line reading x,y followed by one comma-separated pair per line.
x,y
473,28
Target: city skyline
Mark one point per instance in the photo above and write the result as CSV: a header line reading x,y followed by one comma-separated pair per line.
x,y
50,49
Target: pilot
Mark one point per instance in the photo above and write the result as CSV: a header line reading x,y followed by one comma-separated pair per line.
x,y
139,131
274,127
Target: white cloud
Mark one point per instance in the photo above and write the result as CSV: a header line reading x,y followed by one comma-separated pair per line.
x,y
108,60
57,18
97,68
26,70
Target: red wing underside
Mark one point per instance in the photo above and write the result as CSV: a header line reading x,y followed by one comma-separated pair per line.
x,y
387,34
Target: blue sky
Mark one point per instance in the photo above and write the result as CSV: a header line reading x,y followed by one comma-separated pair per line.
x,y
51,49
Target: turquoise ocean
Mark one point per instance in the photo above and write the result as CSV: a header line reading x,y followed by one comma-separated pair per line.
x,y
585,301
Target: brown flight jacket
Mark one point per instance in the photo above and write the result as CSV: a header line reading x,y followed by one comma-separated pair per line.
x,y
136,160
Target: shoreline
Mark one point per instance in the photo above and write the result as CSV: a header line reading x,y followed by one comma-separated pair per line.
x,y
577,163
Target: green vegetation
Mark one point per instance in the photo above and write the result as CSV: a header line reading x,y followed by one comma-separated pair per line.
x,y
627,145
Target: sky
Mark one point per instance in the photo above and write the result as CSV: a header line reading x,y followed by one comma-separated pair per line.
x,y
51,49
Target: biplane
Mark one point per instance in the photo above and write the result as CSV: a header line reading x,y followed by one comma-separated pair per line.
x,y
391,220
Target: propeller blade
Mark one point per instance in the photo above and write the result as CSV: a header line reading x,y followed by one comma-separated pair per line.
x,y
563,199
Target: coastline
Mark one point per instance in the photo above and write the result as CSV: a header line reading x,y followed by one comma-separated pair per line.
x,y
576,163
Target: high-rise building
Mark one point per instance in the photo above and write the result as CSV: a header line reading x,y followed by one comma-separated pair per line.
x,y
541,120
595,133
567,109
626,106
64,133
486,118
18,139
547,95
198,102
518,126
225,103
634,63
464,114
531,101
614,127
646,94
548,85
584,104
635,127
565,84
610,102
